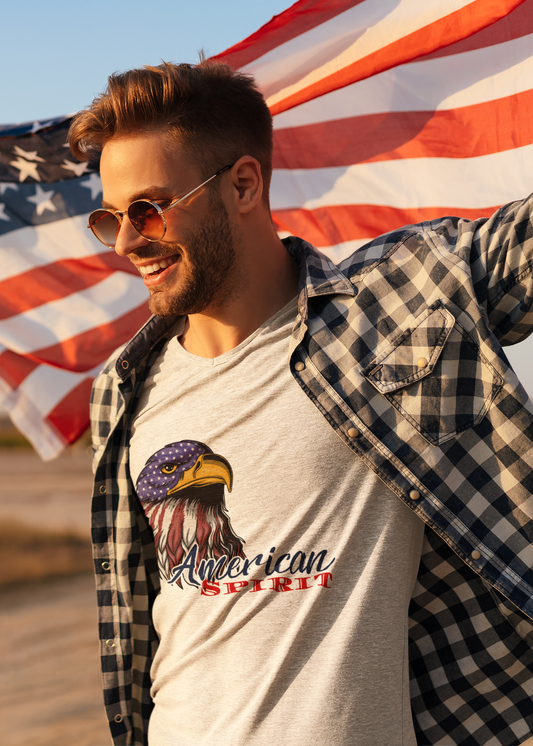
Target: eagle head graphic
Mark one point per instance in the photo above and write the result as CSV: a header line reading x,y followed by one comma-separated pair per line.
x,y
181,488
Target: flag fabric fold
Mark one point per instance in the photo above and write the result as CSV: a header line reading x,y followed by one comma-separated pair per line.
x,y
341,43
66,301
385,114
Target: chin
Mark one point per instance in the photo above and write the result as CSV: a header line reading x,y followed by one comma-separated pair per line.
x,y
164,306
177,304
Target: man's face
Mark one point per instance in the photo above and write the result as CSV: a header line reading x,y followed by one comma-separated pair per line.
x,y
195,266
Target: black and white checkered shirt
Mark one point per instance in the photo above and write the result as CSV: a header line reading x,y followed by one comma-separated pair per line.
x,y
400,347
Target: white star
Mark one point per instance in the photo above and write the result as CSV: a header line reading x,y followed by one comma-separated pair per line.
x,y
78,168
3,215
27,155
5,186
40,126
43,200
94,183
26,169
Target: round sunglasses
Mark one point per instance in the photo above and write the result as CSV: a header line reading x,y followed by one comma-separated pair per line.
x,y
146,217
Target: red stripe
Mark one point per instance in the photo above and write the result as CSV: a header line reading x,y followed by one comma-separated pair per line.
x,y
440,33
57,280
296,20
70,417
14,368
328,226
465,132
323,227
84,351
515,25
79,354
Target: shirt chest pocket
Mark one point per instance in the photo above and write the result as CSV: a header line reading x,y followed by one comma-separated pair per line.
x,y
434,374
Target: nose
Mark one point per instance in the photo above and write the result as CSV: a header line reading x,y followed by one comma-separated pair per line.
x,y
127,239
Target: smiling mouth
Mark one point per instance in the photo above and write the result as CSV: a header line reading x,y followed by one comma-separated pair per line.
x,y
158,266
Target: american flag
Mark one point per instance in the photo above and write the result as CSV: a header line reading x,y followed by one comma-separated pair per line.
x,y
385,113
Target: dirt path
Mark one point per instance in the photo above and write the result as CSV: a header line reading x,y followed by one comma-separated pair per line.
x,y
54,495
50,692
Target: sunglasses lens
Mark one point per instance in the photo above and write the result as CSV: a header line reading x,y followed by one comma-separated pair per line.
x,y
146,220
105,226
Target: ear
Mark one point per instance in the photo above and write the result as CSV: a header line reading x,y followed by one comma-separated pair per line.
x,y
247,183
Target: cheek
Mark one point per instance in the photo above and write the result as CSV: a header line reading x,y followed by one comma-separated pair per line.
x,y
180,221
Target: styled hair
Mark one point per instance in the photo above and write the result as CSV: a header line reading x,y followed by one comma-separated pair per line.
x,y
215,113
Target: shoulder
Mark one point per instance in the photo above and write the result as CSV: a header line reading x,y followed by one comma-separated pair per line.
x,y
124,360
126,365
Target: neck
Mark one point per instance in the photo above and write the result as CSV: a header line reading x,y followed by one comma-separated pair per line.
x,y
270,281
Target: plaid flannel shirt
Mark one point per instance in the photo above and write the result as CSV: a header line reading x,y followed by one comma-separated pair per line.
x,y
400,348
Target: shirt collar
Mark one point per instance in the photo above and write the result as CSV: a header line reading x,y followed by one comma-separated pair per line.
x,y
318,276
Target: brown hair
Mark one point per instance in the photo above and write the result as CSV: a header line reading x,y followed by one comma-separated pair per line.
x,y
217,114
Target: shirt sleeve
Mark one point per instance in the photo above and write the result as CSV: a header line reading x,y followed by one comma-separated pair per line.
x,y
500,253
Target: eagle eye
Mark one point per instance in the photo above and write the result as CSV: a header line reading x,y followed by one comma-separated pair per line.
x,y
169,468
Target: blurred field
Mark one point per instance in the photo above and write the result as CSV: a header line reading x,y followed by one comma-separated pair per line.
x,y
28,553
50,693
54,495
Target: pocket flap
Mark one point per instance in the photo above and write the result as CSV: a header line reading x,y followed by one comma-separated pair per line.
x,y
412,355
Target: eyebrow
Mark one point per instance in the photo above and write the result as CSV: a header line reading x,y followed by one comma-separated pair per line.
x,y
152,193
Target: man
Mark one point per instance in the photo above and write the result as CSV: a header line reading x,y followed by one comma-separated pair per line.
x,y
269,447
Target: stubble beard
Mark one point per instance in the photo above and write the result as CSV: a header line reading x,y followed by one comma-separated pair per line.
x,y
208,273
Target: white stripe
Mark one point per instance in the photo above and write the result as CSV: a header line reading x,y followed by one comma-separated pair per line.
x,y
341,41
481,182
45,387
441,84
28,420
65,318
30,247
35,398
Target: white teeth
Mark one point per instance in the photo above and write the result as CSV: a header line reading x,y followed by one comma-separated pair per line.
x,y
161,264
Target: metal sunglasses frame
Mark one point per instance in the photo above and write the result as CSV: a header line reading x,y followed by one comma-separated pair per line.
x,y
119,214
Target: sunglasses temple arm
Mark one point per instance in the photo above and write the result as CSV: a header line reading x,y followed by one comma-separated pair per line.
x,y
198,187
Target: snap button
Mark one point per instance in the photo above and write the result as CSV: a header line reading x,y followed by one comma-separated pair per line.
x,y
299,365
125,364
102,489
118,718
475,554
414,494
110,643
422,362
353,432
105,565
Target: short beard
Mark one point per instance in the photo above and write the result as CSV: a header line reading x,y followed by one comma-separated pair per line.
x,y
210,276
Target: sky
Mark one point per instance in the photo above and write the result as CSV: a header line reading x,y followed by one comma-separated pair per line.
x,y
56,56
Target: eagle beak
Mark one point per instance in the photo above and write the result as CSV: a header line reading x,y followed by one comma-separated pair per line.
x,y
208,469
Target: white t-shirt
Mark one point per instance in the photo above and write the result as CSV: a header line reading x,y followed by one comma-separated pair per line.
x,y
282,615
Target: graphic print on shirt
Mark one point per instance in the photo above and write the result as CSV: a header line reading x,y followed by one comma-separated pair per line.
x,y
181,488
